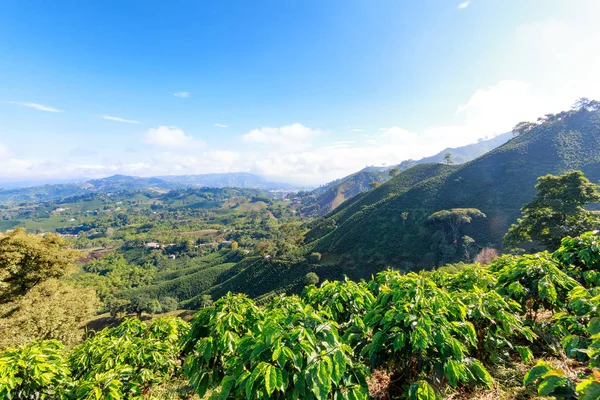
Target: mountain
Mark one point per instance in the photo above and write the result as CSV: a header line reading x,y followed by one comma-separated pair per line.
x,y
327,197
230,179
461,155
122,183
116,183
498,183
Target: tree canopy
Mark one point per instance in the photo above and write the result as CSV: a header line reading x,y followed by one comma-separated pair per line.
x,y
556,211
456,217
27,260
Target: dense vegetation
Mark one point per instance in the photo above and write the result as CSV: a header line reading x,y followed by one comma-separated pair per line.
x,y
432,333
393,228
328,197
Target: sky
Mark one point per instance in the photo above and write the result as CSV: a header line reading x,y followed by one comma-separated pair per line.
x,y
298,91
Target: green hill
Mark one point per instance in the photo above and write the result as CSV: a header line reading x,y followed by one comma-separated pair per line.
x,y
498,183
330,196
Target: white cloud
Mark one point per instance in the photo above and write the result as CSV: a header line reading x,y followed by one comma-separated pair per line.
x,y
220,126
464,4
3,150
118,119
37,106
172,138
183,95
292,136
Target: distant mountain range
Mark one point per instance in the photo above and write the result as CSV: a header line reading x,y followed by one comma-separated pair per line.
x,y
389,223
327,197
120,183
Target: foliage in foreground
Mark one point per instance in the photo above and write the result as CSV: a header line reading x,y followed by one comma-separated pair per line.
x,y
116,363
432,332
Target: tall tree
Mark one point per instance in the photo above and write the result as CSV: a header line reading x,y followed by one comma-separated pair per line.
x,y
455,218
51,310
27,260
393,172
556,211
522,127
448,159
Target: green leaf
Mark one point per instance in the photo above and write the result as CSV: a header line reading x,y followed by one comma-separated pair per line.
x,y
481,373
271,383
339,366
452,372
550,384
421,390
226,385
589,390
594,326
525,353
535,373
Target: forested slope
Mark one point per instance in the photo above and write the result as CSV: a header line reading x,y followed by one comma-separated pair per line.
x,y
497,183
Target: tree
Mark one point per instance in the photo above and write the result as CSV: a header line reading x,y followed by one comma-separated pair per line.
x,y
522,127
556,211
393,172
455,218
586,104
404,217
27,260
234,245
311,278
206,301
51,310
168,304
374,185
315,257
448,159
469,246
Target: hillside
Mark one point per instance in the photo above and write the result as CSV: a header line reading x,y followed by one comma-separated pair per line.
x,y
498,183
328,197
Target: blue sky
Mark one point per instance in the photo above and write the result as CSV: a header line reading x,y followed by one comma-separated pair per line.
x,y
302,91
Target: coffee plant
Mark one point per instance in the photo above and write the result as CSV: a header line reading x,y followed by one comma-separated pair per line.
x,y
127,359
289,350
421,331
38,370
536,282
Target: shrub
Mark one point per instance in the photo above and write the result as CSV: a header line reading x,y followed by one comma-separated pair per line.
x,y
315,257
130,357
38,370
346,303
311,278
168,304
286,348
420,330
535,282
486,256
581,255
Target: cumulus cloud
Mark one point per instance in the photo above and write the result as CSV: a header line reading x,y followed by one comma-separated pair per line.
x,y
220,126
172,138
37,106
182,95
119,119
292,136
464,4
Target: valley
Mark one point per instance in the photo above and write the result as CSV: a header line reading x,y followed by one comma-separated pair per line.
x,y
260,269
